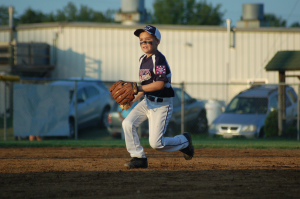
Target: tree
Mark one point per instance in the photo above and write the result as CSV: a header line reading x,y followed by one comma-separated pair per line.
x,y
60,16
70,11
109,16
67,13
50,17
274,21
85,13
31,16
98,17
168,11
188,12
295,25
204,14
4,16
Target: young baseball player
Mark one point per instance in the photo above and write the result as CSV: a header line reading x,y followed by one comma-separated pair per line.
x,y
157,106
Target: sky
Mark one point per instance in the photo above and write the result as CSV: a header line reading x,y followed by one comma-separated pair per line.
x,y
287,9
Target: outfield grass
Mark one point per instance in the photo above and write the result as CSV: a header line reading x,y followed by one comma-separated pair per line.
x,y
197,142
93,137
9,129
247,143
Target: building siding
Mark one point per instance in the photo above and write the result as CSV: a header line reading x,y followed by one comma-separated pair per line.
x,y
195,55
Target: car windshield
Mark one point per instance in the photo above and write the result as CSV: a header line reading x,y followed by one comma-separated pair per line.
x,y
248,105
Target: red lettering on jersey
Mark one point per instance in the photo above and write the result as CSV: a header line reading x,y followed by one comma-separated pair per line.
x,y
160,69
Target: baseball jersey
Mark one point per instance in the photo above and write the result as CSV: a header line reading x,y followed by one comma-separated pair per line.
x,y
156,68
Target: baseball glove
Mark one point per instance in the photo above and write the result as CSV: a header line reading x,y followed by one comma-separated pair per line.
x,y
123,92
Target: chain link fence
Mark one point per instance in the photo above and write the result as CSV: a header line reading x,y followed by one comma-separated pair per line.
x,y
35,108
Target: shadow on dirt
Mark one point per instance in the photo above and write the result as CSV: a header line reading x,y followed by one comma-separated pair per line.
x,y
152,184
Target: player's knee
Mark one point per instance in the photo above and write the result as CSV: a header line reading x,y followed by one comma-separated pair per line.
x,y
127,124
156,145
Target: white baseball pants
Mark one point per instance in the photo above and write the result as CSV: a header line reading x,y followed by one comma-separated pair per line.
x,y
158,114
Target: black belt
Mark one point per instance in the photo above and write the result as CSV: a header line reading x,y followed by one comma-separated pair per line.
x,y
151,98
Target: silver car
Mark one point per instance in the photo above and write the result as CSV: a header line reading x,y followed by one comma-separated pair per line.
x,y
245,115
93,103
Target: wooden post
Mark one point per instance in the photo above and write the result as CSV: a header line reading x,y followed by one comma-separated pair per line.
x,y
11,35
281,104
182,107
75,104
5,119
11,61
11,23
298,117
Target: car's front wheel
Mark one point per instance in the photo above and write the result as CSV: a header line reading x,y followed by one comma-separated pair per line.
x,y
261,133
71,128
201,123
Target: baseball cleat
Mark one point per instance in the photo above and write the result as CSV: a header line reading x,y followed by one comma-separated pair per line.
x,y
137,163
189,150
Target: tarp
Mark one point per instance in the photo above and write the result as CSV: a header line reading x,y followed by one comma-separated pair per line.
x,y
41,110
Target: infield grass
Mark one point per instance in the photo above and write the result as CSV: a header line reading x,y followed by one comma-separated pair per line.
x,y
93,137
197,142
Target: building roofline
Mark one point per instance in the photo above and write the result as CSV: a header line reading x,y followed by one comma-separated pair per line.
x,y
110,25
161,27
266,29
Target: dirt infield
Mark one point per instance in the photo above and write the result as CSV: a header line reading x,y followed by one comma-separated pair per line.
x,y
99,173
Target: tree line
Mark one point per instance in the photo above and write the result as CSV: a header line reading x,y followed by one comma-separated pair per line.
x,y
183,12
68,13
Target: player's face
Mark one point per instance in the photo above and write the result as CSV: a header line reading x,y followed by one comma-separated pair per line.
x,y
148,43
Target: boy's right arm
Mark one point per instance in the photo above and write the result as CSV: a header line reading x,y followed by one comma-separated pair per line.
x,y
120,115
137,97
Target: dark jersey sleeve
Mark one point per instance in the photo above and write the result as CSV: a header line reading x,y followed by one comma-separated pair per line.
x,y
161,69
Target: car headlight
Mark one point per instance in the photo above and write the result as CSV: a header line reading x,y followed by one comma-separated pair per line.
x,y
251,127
213,127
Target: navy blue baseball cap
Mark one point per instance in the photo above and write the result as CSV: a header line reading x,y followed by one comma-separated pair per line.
x,y
150,29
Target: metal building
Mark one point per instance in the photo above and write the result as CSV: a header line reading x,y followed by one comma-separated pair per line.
x,y
195,53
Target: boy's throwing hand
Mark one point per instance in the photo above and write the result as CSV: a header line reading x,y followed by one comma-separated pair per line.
x,y
126,106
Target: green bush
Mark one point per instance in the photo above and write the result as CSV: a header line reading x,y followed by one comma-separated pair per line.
x,y
271,124
291,132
